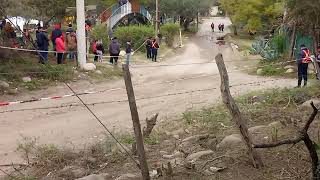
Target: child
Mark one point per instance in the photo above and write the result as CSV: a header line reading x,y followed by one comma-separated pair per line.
x,y
100,51
60,47
94,50
154,47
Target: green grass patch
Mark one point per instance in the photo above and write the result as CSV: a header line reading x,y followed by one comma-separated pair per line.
x,y
258,107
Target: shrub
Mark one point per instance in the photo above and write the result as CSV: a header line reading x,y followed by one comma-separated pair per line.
x,y
279,43
138,35
169,31
100,32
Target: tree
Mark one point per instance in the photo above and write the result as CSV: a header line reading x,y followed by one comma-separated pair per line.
x,y
305,16
253,15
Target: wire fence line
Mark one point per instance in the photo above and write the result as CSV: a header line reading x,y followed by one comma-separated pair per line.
x,y
138,99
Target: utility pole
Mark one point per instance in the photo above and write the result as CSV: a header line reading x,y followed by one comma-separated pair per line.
x,y
81,34
157,18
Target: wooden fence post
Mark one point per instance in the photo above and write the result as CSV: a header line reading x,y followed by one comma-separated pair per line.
x,y
136,123
235,112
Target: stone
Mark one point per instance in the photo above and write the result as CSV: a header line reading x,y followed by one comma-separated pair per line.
x,y
307,105
104,176
13,91
195,138
74,171
129,177
232,141
89,67
122,53
198,155
4,84
26,79
289,67
257,129
163,152
276,124
289,71
176,136
176,154
98,72
216,169
259,72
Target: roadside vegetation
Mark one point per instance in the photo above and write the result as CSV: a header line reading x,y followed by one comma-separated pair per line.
x,y
272,115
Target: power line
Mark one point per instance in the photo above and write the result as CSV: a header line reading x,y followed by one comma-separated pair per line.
x,y
142,98
103,125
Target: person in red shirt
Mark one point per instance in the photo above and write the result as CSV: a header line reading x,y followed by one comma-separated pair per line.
x,y
60,48
154,49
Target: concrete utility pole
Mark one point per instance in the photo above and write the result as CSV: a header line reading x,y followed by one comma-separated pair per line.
x,y
81,34
157,18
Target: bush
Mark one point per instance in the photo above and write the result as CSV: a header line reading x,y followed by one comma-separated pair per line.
x,y
169,31
138,35
100,32
279,43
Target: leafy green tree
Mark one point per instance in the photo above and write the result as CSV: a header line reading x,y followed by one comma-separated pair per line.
x,y
253,15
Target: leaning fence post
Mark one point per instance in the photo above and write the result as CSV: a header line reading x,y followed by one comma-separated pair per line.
x,y
136,123
235,112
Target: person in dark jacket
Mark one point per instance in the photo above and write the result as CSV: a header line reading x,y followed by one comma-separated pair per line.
x,y
154,49
55,34
148,47
128,51
303,60
43,44
114,50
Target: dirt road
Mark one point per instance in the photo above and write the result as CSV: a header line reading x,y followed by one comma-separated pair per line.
x,y
75,126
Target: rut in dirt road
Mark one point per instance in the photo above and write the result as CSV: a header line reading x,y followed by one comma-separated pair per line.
x,y
75,126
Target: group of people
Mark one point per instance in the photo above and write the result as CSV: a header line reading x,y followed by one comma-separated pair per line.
x,y
61,42
8,32
152,47
220,27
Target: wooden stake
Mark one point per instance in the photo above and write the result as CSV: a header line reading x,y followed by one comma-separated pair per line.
x,y
235,112
136,123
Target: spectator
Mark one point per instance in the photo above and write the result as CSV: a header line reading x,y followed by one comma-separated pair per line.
x,y
303,61
94,50
43,44
55,34
70,29
60,48
2,24
71,44
128,51
100,51
154,49
114,50
148,47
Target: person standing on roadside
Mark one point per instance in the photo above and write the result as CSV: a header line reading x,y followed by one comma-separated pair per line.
x,y
71,44
60,48
100,50
222,27
128,51
114,50
212,27
154,49
70,29
55,34
148,47
303,61
43,45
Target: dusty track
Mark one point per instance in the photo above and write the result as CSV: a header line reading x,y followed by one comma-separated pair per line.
x,y
76,126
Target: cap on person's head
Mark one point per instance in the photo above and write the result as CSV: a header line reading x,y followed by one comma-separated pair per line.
x,y
70,25
302,46
114,38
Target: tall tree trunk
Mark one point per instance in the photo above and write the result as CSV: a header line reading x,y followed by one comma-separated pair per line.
x,y
235,30
315,38
292,41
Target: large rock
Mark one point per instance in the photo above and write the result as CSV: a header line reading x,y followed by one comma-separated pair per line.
x,y
257,129
289,67
104,176
307,105
89,67
289,71
72,171
98,72
259,72
26,79
4,84
129,177
233,141
198,155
